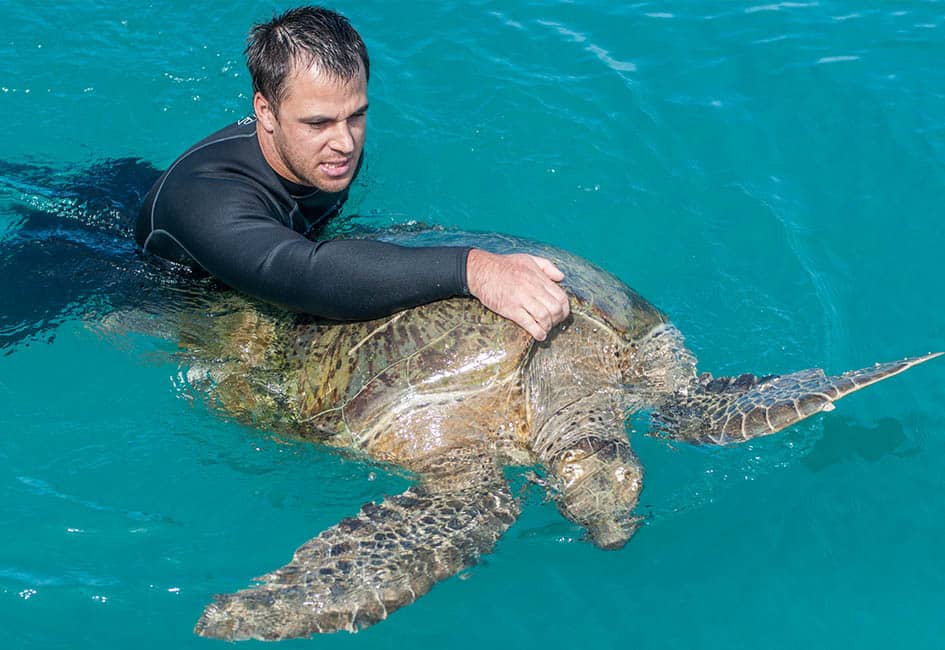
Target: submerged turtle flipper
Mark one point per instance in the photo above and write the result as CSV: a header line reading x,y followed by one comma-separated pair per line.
x,y
734,409
357,572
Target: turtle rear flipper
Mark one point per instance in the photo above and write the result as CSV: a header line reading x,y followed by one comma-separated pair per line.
x,y
359,571
735,409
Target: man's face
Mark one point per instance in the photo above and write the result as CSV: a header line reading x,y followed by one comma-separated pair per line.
x,y
317,135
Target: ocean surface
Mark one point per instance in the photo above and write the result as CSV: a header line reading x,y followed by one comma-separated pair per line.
x,y
771,175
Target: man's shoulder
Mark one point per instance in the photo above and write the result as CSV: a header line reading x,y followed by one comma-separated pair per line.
x,y
223,172
221,179
235,139
229,158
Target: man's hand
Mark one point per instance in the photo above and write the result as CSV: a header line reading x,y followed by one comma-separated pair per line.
x,y
523,288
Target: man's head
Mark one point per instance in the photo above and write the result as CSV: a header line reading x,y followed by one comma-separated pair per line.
x,y
310,70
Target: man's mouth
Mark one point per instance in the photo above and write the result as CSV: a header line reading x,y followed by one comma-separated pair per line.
x,y
336,167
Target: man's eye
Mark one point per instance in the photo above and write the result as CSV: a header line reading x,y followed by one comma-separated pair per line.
x,y
318,125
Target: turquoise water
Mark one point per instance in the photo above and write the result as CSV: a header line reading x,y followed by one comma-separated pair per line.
x,y
771,175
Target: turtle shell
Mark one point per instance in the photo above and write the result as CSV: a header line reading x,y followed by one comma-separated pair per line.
x,y
445,368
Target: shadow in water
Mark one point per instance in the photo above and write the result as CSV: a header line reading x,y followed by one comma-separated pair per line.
x,y
69,250
845,440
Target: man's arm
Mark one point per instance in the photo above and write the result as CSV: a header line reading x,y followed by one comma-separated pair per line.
x,y
227,229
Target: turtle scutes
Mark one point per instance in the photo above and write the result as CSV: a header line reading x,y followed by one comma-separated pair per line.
x,y
453,393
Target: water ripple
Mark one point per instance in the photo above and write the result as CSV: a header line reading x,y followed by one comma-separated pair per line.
x,y
602,54
42,488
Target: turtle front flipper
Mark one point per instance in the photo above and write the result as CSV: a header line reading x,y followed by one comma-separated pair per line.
x,y
359,571
735,409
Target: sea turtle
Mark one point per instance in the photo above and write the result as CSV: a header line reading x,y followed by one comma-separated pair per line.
x,y
452,393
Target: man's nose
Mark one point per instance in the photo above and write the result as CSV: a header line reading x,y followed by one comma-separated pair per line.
x,y
342,139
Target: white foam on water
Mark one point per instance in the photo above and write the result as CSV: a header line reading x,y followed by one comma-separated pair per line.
x,y
779,6
836,59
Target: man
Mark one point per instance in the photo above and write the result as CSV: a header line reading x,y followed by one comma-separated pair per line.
x,y
243,203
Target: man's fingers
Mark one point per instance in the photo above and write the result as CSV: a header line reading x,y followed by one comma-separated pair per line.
x,y
523,319
549,269
554,303
560,306
542,315
545,302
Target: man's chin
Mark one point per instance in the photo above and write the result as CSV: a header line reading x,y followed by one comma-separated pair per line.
x,y
330,184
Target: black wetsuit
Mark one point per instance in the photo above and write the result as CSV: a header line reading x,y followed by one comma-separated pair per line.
x,y
222,208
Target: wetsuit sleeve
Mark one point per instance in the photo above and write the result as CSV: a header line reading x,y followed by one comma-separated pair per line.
x,y
237,240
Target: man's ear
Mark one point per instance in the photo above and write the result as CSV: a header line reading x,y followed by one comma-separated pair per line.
x,y
265,113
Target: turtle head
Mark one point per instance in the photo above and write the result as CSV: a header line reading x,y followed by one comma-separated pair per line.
x,y
601,483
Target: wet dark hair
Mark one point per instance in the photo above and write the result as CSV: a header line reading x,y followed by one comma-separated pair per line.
x,y
308,36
